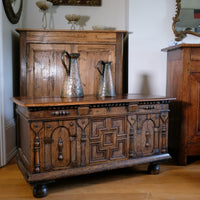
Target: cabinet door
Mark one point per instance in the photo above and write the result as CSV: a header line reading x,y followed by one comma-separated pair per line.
x,y
193,116
89,57
45,73
60,149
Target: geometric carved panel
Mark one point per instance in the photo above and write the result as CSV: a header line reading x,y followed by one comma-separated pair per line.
x,y
108,139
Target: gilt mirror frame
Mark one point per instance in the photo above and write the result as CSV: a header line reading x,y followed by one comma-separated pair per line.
x,y
180,34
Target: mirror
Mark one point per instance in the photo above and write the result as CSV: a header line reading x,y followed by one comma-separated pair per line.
x,y
187,18
13,9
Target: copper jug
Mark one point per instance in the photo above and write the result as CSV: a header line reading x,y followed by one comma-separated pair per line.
x,y
105,87
72,84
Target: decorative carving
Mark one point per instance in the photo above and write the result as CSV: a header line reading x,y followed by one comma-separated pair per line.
x,y
83,123
147,138
180,34
132,120
60,147
108,105
164,118
36,128
108,139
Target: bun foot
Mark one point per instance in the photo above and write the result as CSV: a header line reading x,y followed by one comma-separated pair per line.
x,y
153,169
40,191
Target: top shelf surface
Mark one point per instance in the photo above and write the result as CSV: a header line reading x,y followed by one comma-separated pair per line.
x,y
87,100
181,46
66,30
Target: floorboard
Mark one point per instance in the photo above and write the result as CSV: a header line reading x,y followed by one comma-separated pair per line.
x,y
173,183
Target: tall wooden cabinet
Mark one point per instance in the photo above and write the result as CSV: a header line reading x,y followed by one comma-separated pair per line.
x,y
61,137
183,82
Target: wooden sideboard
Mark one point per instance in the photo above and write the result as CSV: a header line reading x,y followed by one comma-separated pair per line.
x,y
61,137
183,82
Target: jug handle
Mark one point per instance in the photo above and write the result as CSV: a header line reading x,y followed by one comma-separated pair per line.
x,y
102,63
65,53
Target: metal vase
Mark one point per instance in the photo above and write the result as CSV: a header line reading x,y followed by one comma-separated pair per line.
x,y
105,87
72,86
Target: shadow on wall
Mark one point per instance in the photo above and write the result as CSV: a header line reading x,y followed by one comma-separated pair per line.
x,y
15,66
82,22
145,88
15,63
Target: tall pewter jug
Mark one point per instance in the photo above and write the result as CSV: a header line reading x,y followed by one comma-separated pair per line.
x,y
72,84
105,87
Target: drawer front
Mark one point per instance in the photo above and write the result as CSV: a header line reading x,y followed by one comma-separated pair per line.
x,y
56,113
107,135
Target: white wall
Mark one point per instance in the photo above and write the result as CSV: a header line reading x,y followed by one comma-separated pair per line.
x,y
112,13
150,21
2,132
151,24
8,52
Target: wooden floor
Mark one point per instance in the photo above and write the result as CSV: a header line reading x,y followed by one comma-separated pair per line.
x,y
173,183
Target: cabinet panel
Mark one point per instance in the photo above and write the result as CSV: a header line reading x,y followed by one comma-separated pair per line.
x,y
194,110
108,139
195,60
89,57
45,72
148,135
60,148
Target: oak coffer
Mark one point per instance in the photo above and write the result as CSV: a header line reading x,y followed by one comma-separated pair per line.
x,y
60,137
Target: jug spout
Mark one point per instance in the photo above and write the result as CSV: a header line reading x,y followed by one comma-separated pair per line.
x,y
106,86
72,86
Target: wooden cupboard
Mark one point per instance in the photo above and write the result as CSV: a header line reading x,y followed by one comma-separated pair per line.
x,y
183,82
42,73
61,137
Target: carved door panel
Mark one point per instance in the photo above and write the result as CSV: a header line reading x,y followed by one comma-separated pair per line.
x,y
108,139
45,72
148,138
193,119
60,145
89,57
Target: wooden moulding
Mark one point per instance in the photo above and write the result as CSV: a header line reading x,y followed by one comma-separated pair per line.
x,y
31,178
